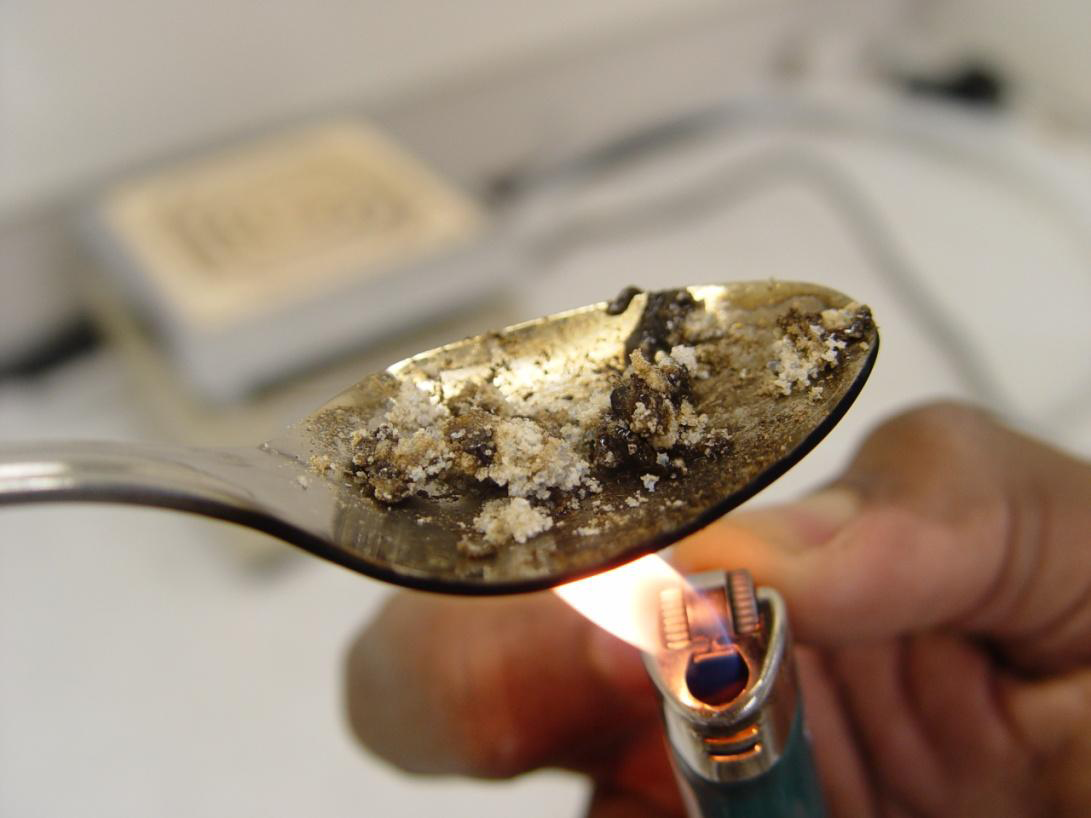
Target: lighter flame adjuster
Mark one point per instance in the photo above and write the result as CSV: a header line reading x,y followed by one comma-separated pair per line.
x,y
730,700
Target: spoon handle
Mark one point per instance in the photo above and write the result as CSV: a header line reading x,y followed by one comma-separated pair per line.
x,y
263,488
205,481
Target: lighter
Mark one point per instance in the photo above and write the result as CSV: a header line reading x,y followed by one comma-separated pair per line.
x,y
731,702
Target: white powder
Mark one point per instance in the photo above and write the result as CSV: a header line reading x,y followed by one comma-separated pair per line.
x,y
649,481
793,367
427,449
502,521
702,325
833,347
693,428
834,319
530,462
414,408
806,350
686,356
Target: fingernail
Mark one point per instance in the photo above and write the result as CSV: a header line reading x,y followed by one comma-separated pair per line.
x,y
618,662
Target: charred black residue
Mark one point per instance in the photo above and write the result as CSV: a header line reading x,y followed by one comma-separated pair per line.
x,y
473,439
862,325
652,425
621,301
661,324
636,409
374,457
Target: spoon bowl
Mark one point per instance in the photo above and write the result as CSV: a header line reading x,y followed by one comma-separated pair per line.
x,y
300,487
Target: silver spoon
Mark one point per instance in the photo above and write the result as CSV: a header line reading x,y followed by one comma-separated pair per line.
x,y
275,488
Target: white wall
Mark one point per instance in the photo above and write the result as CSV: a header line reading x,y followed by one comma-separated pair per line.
x,y
86,87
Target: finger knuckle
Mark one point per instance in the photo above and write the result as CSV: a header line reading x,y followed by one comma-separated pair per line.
x,y
934,436
943,424
482,723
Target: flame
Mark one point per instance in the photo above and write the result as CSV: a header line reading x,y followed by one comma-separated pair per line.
x,y
625,601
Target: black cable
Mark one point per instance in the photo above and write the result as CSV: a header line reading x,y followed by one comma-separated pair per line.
x,y
68,342
740,181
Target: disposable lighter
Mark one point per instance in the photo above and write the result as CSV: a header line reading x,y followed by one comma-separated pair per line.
x,y
731,701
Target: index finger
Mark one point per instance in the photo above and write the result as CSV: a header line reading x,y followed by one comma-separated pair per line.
x,y
945,518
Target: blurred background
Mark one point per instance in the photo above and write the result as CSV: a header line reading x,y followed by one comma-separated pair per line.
x,y
214,216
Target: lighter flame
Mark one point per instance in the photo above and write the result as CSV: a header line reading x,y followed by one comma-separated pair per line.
x,y
625,601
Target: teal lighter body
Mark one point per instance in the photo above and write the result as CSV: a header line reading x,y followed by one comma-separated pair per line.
x,y
731,702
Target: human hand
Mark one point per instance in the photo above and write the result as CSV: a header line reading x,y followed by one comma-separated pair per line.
x,y
941,593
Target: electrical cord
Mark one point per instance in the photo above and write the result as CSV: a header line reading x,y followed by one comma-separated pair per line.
x,y
741,181
930,128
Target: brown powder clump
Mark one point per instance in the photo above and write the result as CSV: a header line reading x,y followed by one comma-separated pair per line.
x,y
651,421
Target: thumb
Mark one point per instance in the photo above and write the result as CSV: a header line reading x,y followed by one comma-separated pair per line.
x,y
943,519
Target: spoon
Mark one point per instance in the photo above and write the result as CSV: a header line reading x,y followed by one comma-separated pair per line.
x,y
276,487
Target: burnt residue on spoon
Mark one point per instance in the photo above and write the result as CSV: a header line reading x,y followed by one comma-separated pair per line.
x,y
663,322
668,408
620,302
